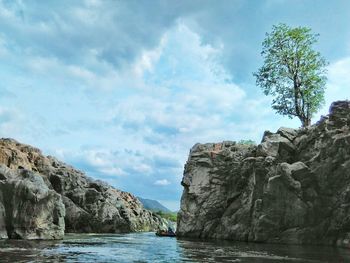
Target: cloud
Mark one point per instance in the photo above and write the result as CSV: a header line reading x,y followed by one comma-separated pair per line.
x,y
338,75
112,171
135,126
73,31
186,102
162,182
118,33
96,162
338,84
240,27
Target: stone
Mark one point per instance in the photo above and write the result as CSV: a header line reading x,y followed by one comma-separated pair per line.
x,y
28,208
90,205
293,188
288,133
3,232
277,146
339,114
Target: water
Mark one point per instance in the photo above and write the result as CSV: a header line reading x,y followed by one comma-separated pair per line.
x,y
146,247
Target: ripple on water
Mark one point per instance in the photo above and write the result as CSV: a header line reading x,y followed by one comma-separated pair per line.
x,y
146,247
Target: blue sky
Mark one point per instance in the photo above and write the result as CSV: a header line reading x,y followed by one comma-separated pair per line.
x,y
123,89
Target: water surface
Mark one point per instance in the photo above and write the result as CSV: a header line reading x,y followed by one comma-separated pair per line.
x,y
146,247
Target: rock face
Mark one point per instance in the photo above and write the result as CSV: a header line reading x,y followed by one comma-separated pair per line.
x,y
28,208
41,196
292,188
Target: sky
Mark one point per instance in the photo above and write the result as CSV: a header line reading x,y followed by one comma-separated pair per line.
x,y
123,89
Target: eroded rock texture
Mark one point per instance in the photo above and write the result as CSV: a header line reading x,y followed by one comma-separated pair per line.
x,y
40,186
28,208
292,188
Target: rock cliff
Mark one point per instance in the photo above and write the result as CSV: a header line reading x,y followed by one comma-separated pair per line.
x,y
28,208
41,197
294,187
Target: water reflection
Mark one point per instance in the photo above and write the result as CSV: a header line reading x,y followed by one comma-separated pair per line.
x,y
25,251
225,251
146,247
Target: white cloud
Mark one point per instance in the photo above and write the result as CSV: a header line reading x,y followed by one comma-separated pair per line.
x,y
44,65
339,78
113,171
95,161
338,85
195,98
162,182
148,58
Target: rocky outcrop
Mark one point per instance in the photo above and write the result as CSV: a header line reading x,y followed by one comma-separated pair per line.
x,y
37,192
28,208
294,187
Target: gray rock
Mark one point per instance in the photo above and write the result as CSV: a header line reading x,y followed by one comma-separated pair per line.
x,y
276,145
3,232
28,208
91,206
288,133
292,188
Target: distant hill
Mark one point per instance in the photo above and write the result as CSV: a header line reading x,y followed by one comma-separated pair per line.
x,y
153,205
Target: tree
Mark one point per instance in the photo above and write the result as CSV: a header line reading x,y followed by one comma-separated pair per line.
x,y
293,72
247,142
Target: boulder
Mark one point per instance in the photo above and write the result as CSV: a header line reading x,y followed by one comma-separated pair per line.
x,y
288,133
28,208
277,146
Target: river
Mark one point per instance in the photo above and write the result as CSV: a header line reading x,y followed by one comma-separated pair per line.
x,y
146,247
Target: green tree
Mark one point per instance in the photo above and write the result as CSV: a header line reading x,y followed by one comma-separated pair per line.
x,y
247,142
171,216
293,72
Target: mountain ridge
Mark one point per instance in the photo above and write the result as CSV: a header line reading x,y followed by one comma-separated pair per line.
x,y
153,205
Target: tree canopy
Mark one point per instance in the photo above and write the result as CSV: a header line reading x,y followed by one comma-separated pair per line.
x,y
293,72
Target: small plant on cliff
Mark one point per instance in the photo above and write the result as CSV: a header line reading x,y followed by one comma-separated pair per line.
x,y
171,216
293,72
247,142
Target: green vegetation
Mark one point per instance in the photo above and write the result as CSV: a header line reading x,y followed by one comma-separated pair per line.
x,y
247,142
293,73
171,216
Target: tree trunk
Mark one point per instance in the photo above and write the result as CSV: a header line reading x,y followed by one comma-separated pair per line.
x,y
296,103
306,115
305,121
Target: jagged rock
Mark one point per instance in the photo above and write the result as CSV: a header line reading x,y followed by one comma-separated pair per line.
x,y
276,145
28,208
3,232
288,133
292,188
91,205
